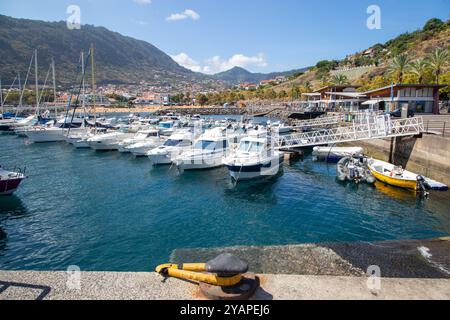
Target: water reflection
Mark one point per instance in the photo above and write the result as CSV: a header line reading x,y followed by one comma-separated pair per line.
x,y
396,193
258,190
11,206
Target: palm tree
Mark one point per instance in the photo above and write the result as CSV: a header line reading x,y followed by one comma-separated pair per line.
x,y
339,80
307,86
437,61
399,67
419,68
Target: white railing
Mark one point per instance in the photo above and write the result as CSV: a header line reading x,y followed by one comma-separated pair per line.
x,y
318,122
372,128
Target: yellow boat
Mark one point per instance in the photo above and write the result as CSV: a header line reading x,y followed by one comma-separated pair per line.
x,y
393,175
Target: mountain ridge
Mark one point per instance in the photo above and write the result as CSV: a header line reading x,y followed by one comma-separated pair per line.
x,y
238,75
118,58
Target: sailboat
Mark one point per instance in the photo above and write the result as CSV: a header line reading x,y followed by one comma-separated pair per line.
x,y
60,128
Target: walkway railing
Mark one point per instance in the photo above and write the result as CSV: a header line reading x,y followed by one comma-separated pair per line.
x,y
438,127
371,128
319,122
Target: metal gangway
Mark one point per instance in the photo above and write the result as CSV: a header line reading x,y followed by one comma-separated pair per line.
x,y
372,127
319,122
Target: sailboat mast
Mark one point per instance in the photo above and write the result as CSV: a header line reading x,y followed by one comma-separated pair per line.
x,y
20,100
36,80
83,87
1,99
93,84
54,87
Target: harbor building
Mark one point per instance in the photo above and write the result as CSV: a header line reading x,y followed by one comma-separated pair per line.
x,y
334,98
419,98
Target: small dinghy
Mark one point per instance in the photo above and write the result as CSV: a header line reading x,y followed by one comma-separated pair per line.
x,y
354,170
393,175
334,154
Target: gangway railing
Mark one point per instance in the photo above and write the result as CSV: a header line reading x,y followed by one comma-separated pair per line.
x,y
371,128
319,122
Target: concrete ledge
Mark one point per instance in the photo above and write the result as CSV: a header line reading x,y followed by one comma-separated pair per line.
x,y
29,285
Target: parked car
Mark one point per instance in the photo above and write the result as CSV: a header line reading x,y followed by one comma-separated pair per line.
x,y
397,113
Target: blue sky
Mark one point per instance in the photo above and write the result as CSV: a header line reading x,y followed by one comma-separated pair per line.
x,y
260,35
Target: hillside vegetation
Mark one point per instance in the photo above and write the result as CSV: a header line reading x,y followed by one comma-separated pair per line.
x,y
375,62
119,59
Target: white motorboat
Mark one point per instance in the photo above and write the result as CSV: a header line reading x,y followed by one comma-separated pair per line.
x,y
108,141
173,147
48,134
167,128
141,149
80,139
141,136
207,152
9,181
254,158
279,128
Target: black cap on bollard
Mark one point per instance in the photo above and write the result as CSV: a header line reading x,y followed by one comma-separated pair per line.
x,y
227,265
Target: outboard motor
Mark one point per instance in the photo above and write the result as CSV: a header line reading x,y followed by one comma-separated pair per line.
x,y
421,186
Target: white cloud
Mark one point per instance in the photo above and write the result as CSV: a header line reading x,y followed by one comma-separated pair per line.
x,y
217,64
189,13
143,1
184,60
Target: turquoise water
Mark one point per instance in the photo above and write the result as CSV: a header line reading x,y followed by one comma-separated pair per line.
x,y
109,211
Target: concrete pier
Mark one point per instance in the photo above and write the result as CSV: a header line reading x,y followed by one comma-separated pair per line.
x,y
35,285
414,269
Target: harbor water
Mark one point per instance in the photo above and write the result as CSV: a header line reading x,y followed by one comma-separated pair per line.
x,y
106,211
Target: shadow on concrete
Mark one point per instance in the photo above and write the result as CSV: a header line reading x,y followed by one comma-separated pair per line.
x,y
45,290
262,294
404,147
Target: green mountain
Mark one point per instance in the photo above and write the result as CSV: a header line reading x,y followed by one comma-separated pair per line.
x,y
118,59
239,75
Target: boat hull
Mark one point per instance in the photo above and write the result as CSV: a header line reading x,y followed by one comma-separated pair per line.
x,y
242,172
400,183
204,164
160,159
41,136
8,187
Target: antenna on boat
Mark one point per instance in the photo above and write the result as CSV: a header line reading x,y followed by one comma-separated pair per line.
x,y
93,85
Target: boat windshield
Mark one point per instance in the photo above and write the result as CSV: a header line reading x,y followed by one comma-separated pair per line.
x,y
172,143
250,146
166,125
205,145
